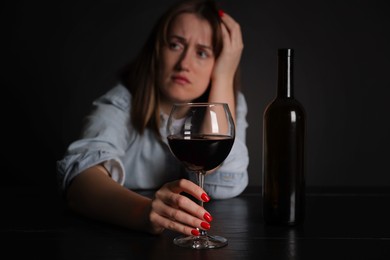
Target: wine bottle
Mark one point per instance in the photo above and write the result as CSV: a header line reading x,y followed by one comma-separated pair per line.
x,y
284,130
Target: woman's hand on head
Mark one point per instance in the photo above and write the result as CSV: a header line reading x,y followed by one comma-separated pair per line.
x,y
174,211
229,59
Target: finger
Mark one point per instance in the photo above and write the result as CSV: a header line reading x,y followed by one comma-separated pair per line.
x,y
230,22
187,186
174,205
225,33
171,224
232,27
193,219
176,219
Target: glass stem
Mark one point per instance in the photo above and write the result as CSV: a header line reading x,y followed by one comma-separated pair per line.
x,y
200,175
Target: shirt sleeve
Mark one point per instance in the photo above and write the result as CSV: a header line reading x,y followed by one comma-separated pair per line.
x,y
232,177
104,139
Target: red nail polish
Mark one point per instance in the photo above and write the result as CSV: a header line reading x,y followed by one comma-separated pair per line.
x,y
220,12
205,225
207,217
195,232
204,197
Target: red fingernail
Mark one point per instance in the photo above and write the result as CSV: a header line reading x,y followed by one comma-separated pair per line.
x,y
205,225
220,12
195,232
204,197
207,217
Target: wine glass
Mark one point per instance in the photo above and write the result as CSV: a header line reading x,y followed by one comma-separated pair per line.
x,y
200,135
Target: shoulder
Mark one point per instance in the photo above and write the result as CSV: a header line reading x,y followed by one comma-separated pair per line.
x,y
118,96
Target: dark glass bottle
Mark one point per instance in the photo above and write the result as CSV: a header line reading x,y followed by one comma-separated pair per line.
x,y
284,150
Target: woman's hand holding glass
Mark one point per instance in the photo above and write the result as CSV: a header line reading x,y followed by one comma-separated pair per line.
x,y
172,210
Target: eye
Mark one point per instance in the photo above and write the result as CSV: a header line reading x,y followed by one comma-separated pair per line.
x,y
175,46
204,53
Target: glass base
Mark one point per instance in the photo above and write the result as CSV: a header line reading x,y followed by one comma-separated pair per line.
x,y
200,242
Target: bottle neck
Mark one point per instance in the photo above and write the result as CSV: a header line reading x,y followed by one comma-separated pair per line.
x,y
285,73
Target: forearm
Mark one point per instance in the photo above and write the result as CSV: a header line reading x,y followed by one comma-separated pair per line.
x,y
227,63
94,194
222,91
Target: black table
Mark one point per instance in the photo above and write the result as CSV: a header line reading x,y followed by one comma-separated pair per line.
x,y
340,223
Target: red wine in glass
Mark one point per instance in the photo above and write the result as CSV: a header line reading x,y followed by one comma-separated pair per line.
x,y
203,152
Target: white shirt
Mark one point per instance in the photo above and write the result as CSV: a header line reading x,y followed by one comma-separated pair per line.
x,y
142,161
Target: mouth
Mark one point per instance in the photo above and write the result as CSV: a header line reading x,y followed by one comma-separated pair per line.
x,y
180,79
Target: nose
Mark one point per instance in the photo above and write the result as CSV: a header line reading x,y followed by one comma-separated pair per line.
x,y
184,60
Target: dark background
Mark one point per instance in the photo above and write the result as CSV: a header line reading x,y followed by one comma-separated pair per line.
x,y
58,56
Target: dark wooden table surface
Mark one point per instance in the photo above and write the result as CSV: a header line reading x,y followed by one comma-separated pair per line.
x,y
340,224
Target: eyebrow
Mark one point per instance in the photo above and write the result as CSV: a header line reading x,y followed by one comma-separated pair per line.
x,y
183,40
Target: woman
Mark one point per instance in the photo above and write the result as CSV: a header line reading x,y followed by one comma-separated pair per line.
x,y
192,54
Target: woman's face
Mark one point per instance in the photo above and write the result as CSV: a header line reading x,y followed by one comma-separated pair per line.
x,y
187,60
